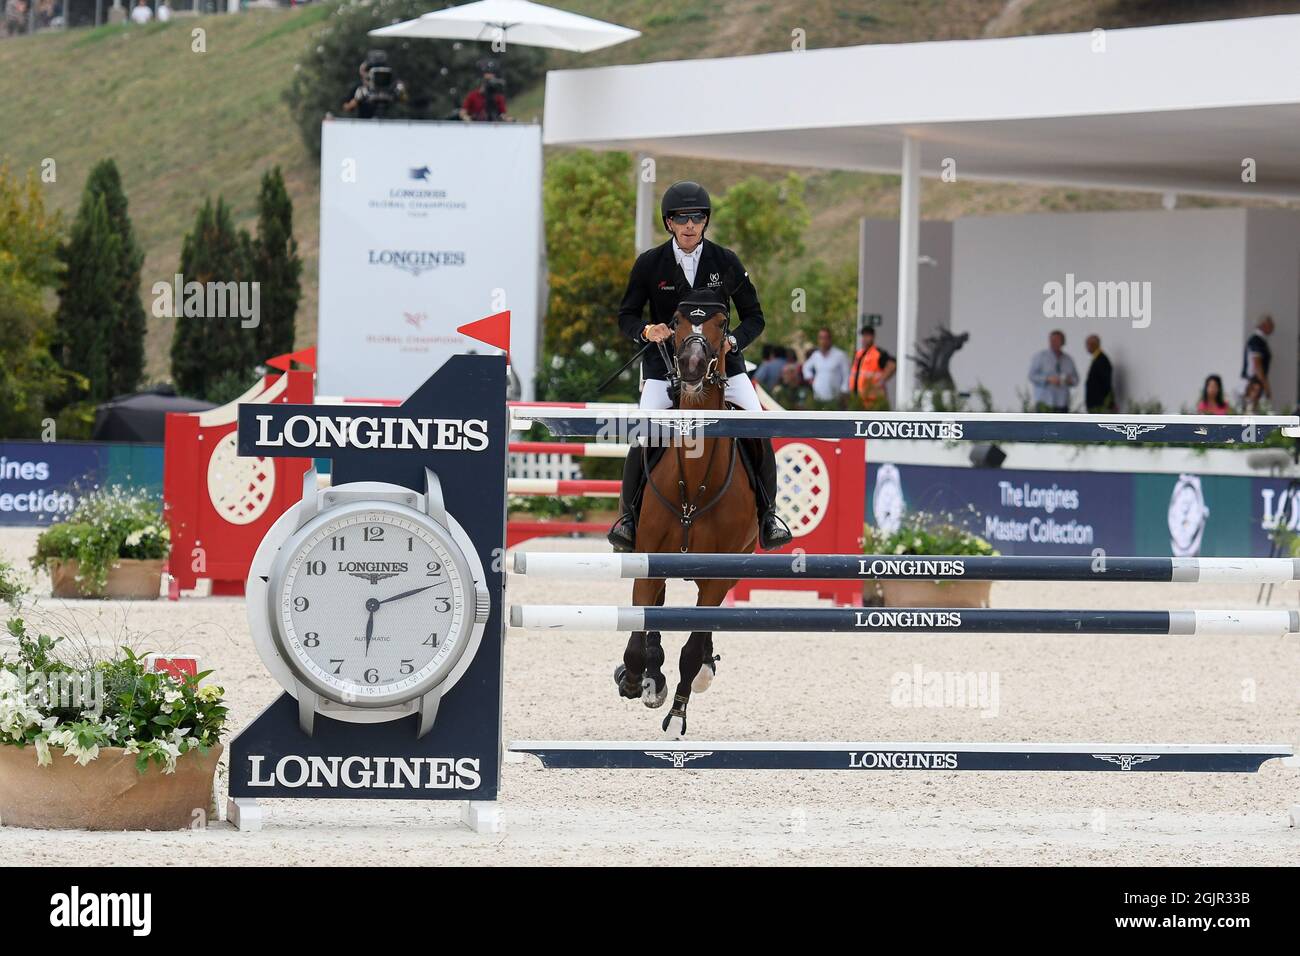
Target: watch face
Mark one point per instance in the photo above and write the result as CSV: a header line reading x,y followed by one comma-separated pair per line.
x,y
371,606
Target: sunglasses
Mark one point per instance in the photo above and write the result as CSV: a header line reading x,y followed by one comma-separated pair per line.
x,y
682,218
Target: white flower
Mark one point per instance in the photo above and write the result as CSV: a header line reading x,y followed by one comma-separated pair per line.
x,y
132,746
42,745
133,539
171,695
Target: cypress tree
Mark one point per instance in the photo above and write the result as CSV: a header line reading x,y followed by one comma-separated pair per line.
x,y
206,347
84,320
126,318
277,267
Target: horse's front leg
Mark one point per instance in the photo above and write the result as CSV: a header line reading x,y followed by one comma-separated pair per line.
x,y
698,664
641,674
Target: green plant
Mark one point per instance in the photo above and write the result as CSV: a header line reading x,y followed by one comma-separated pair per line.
x,y
107,525
11,589
921,532
79,707
575,376
205,347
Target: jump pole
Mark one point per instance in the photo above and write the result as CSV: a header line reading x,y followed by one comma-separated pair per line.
x,y
769,755
546,617
604,567
627,424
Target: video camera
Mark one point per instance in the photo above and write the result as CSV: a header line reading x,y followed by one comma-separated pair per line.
x,y
380,84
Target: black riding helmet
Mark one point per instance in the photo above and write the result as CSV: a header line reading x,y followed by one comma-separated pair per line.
x,y
684,194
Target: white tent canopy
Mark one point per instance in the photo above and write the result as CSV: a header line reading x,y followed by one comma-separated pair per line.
x,y
513,21
1171,109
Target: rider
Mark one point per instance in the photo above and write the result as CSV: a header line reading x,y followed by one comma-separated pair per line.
x,y
663,276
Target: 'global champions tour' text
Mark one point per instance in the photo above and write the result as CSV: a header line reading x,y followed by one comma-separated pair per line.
x,y
365,431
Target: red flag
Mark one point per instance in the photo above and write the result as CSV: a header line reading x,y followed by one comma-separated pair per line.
x,y
494,331
284,362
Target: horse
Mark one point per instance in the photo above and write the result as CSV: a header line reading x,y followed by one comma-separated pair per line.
x,y
696,500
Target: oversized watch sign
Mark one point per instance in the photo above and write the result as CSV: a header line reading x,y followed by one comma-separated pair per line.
x,y
367,602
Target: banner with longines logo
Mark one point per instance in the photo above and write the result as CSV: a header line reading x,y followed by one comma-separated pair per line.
x,y
1076,513
424,226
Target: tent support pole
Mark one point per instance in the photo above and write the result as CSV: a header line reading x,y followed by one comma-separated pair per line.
x,y
909,250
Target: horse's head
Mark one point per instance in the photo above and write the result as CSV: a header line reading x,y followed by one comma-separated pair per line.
x,y
699,336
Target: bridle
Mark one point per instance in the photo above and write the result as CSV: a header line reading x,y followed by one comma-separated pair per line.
x,y
714,375
714,371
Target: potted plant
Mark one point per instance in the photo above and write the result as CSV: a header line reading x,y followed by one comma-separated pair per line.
x,y
113,544
920,533
99,741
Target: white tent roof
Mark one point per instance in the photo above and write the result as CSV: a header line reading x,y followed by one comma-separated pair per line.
x,y
1171,108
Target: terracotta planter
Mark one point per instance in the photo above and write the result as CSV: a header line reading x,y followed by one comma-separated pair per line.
x,y
933,593
128,579
106,794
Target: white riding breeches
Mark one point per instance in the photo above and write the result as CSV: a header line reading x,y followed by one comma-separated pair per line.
x,y
740,391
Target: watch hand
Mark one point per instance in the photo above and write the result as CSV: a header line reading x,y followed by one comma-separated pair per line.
x,y
398,597
370,629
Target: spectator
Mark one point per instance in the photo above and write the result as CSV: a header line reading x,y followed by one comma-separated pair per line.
x,y
873,367
1253,401
1257,358
1212,401
16,17
164,12
1099,387
791,391
826,369
141,13
769,370
487,103
1052,374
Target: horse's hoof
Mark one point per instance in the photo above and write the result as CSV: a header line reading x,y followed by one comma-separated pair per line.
x,y
674,726
631,689
704,679
654,691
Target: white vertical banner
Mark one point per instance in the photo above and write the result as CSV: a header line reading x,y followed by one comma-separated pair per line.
x,y
424,227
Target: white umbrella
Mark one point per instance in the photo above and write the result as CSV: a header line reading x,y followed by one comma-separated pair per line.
x,y
514,21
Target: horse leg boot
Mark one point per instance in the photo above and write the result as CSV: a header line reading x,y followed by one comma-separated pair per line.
x,y
772,529
696,660
622,536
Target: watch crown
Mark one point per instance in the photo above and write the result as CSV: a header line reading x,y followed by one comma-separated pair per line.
x,y
482,605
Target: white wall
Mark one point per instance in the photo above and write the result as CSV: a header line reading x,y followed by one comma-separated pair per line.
x,y
1203,296
1273,287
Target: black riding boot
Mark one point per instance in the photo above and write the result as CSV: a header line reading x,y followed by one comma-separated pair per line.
x,y
772,529
623,535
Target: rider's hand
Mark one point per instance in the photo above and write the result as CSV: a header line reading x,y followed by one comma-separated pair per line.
x,y
658,333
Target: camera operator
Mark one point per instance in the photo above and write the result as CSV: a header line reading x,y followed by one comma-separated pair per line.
x,y
487,104
378,88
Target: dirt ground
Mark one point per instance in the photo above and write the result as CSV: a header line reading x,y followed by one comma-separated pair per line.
x,y
790,687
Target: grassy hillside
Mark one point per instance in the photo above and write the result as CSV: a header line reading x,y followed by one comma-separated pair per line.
x,y
183,124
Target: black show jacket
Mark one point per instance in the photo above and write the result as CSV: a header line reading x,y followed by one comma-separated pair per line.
x,y
658,279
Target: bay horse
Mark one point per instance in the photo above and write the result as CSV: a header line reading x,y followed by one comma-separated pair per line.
x,y
698,499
